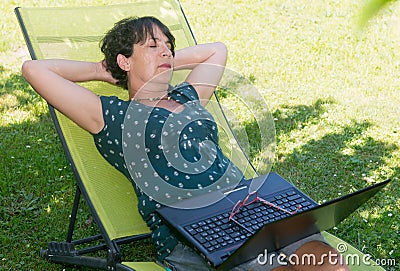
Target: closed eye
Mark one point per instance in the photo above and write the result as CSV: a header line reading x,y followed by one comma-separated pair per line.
x,y
155,42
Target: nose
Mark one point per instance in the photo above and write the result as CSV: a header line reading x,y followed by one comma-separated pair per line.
x,y
166,51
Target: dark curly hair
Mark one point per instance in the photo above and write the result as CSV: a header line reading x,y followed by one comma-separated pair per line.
x,y
121,38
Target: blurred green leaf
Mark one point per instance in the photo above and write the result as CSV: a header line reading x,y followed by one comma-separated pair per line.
x,y
371,9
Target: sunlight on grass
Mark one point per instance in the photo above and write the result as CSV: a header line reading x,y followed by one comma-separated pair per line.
x,y
7,101
20,106
16,116
13,113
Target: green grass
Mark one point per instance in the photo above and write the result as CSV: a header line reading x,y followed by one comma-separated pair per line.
x,y
332,89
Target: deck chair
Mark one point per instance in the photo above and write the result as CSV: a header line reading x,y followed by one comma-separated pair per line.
x,y
74,33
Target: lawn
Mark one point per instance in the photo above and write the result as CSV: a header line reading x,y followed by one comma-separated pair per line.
x,y
333,90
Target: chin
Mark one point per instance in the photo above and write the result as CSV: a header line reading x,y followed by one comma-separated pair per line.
x,y
164,77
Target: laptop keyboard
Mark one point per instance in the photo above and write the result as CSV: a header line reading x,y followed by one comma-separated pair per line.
x,y
217,232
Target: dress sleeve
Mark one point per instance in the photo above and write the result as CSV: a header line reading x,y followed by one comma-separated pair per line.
x,y
109,140
113,113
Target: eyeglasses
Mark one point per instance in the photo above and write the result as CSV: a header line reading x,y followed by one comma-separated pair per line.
x,y
252,198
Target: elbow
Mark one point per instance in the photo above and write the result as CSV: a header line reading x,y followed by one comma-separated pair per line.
x,y
221,48
220,53
27,68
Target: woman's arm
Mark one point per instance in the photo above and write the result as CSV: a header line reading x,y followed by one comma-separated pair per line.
x,y
206,62
54,80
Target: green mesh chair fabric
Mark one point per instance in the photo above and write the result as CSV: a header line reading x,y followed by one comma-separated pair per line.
x,y
74,33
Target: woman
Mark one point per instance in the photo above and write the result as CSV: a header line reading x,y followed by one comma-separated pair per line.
x,y
140,57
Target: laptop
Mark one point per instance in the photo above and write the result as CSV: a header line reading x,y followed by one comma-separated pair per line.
x,y
225,243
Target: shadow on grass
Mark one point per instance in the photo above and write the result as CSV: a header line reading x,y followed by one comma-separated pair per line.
x,y
341,162
35,192
346,156
36,183
338,162
291,118
16,92
287,119
28,143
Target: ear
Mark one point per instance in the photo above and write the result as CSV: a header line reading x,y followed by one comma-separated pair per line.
x,y
123,62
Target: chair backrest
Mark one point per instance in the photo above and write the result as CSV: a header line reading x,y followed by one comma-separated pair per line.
x,y
74,33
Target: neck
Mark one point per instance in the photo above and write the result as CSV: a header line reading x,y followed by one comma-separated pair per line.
x,y
150,92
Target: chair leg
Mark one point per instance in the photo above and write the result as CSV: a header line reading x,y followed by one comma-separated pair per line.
x,y
73,215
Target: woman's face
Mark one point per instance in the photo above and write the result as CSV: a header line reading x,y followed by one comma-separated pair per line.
x,y
151,62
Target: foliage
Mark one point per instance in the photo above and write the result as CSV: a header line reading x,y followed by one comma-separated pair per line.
x,y
372,8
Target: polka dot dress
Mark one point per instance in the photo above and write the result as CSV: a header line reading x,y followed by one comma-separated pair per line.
x,y
154,147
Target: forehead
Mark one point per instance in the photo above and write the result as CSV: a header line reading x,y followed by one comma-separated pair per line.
x,y
156,34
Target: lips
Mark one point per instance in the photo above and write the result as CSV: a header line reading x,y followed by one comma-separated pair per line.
x,y
165,65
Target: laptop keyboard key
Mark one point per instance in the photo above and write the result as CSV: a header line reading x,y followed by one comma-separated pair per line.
x,y
200,238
